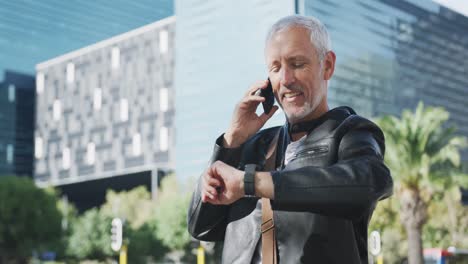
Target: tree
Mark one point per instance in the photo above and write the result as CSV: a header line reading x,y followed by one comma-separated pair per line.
x,y
423,155
448,224
137,209
29,219
90,238
385,220
171,217
134,206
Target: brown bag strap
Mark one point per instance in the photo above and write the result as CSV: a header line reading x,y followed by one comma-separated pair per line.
x,y
269,255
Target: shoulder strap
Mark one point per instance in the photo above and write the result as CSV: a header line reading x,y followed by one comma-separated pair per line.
x,y
269,254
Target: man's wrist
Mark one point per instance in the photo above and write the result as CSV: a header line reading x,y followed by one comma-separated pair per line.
x,y
249,180
231,141
264,186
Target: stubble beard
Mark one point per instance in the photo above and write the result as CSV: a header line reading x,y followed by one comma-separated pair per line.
x,y
298,116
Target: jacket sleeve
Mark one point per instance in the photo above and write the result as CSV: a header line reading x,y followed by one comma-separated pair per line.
x,y
206,221
346,189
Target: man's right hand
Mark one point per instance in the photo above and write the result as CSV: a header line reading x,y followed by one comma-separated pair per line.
x,y
245,121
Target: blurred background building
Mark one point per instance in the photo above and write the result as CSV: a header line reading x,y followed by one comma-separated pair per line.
x,y
17,108
35,31
390,55
105,115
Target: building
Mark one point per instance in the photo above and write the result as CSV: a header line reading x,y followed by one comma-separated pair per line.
x,y
390,55
105,115
17,102
58,27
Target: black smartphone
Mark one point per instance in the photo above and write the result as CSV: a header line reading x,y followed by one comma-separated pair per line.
x,y
269,97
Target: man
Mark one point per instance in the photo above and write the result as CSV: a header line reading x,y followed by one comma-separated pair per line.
x,y
327,170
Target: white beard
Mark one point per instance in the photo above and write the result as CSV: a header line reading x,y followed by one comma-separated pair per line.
x,y
298,116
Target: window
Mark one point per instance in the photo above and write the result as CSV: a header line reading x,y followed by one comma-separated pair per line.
x,y
38,145
115,58
163,139
163,41
123,110
11,93
57,109
66,158
90,153
9,154
40,82
164,99
70,72
97,99
136,144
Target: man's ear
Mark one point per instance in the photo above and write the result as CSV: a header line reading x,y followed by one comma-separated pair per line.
x,y
329,65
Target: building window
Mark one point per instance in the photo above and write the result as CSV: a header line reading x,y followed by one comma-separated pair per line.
x,y
90,153
97,102
11,93
38,145
70,72
136,144
57,110
163,139
163,41
40,78
9,153
115,58
164,99
123,110
66,158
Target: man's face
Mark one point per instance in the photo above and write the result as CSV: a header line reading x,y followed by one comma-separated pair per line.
x,y
299,81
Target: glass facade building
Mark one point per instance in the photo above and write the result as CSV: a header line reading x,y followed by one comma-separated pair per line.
x,y
17,102
35,31
391,54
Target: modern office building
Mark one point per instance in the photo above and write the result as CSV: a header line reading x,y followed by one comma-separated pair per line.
x,y
17,101
393,54
35,31
105,114
390,55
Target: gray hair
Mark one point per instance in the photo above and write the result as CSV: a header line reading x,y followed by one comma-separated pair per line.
x,y
318,33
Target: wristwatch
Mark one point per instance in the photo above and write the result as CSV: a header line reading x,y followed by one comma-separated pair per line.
x,y
249,180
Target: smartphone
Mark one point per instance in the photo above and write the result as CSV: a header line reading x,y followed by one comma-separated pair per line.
x,y
269,97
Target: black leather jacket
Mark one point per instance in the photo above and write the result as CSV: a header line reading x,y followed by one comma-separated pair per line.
x,y
324,197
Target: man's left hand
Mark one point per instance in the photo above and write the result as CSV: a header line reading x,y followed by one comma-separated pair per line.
x,y
232,184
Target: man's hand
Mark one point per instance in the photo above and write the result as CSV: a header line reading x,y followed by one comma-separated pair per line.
x,y
222,184
245,122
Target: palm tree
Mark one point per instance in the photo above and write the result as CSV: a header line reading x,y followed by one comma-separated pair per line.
x,y
422,154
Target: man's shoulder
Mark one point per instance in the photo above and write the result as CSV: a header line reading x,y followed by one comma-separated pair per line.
x,y
342,120
358,122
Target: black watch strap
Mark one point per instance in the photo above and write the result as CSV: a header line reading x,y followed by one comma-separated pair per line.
x,y
249,179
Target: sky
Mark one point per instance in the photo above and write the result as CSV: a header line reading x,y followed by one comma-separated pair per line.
x,y
460,6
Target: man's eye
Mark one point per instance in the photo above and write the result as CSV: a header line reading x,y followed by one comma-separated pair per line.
x,y
298,64
274,69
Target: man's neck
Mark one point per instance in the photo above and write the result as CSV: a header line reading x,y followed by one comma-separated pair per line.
x,y
297,136
321,110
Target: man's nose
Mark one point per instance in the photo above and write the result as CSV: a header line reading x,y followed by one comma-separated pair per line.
x,y
287,76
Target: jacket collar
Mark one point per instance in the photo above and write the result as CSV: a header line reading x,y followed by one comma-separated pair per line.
x,y
307,126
